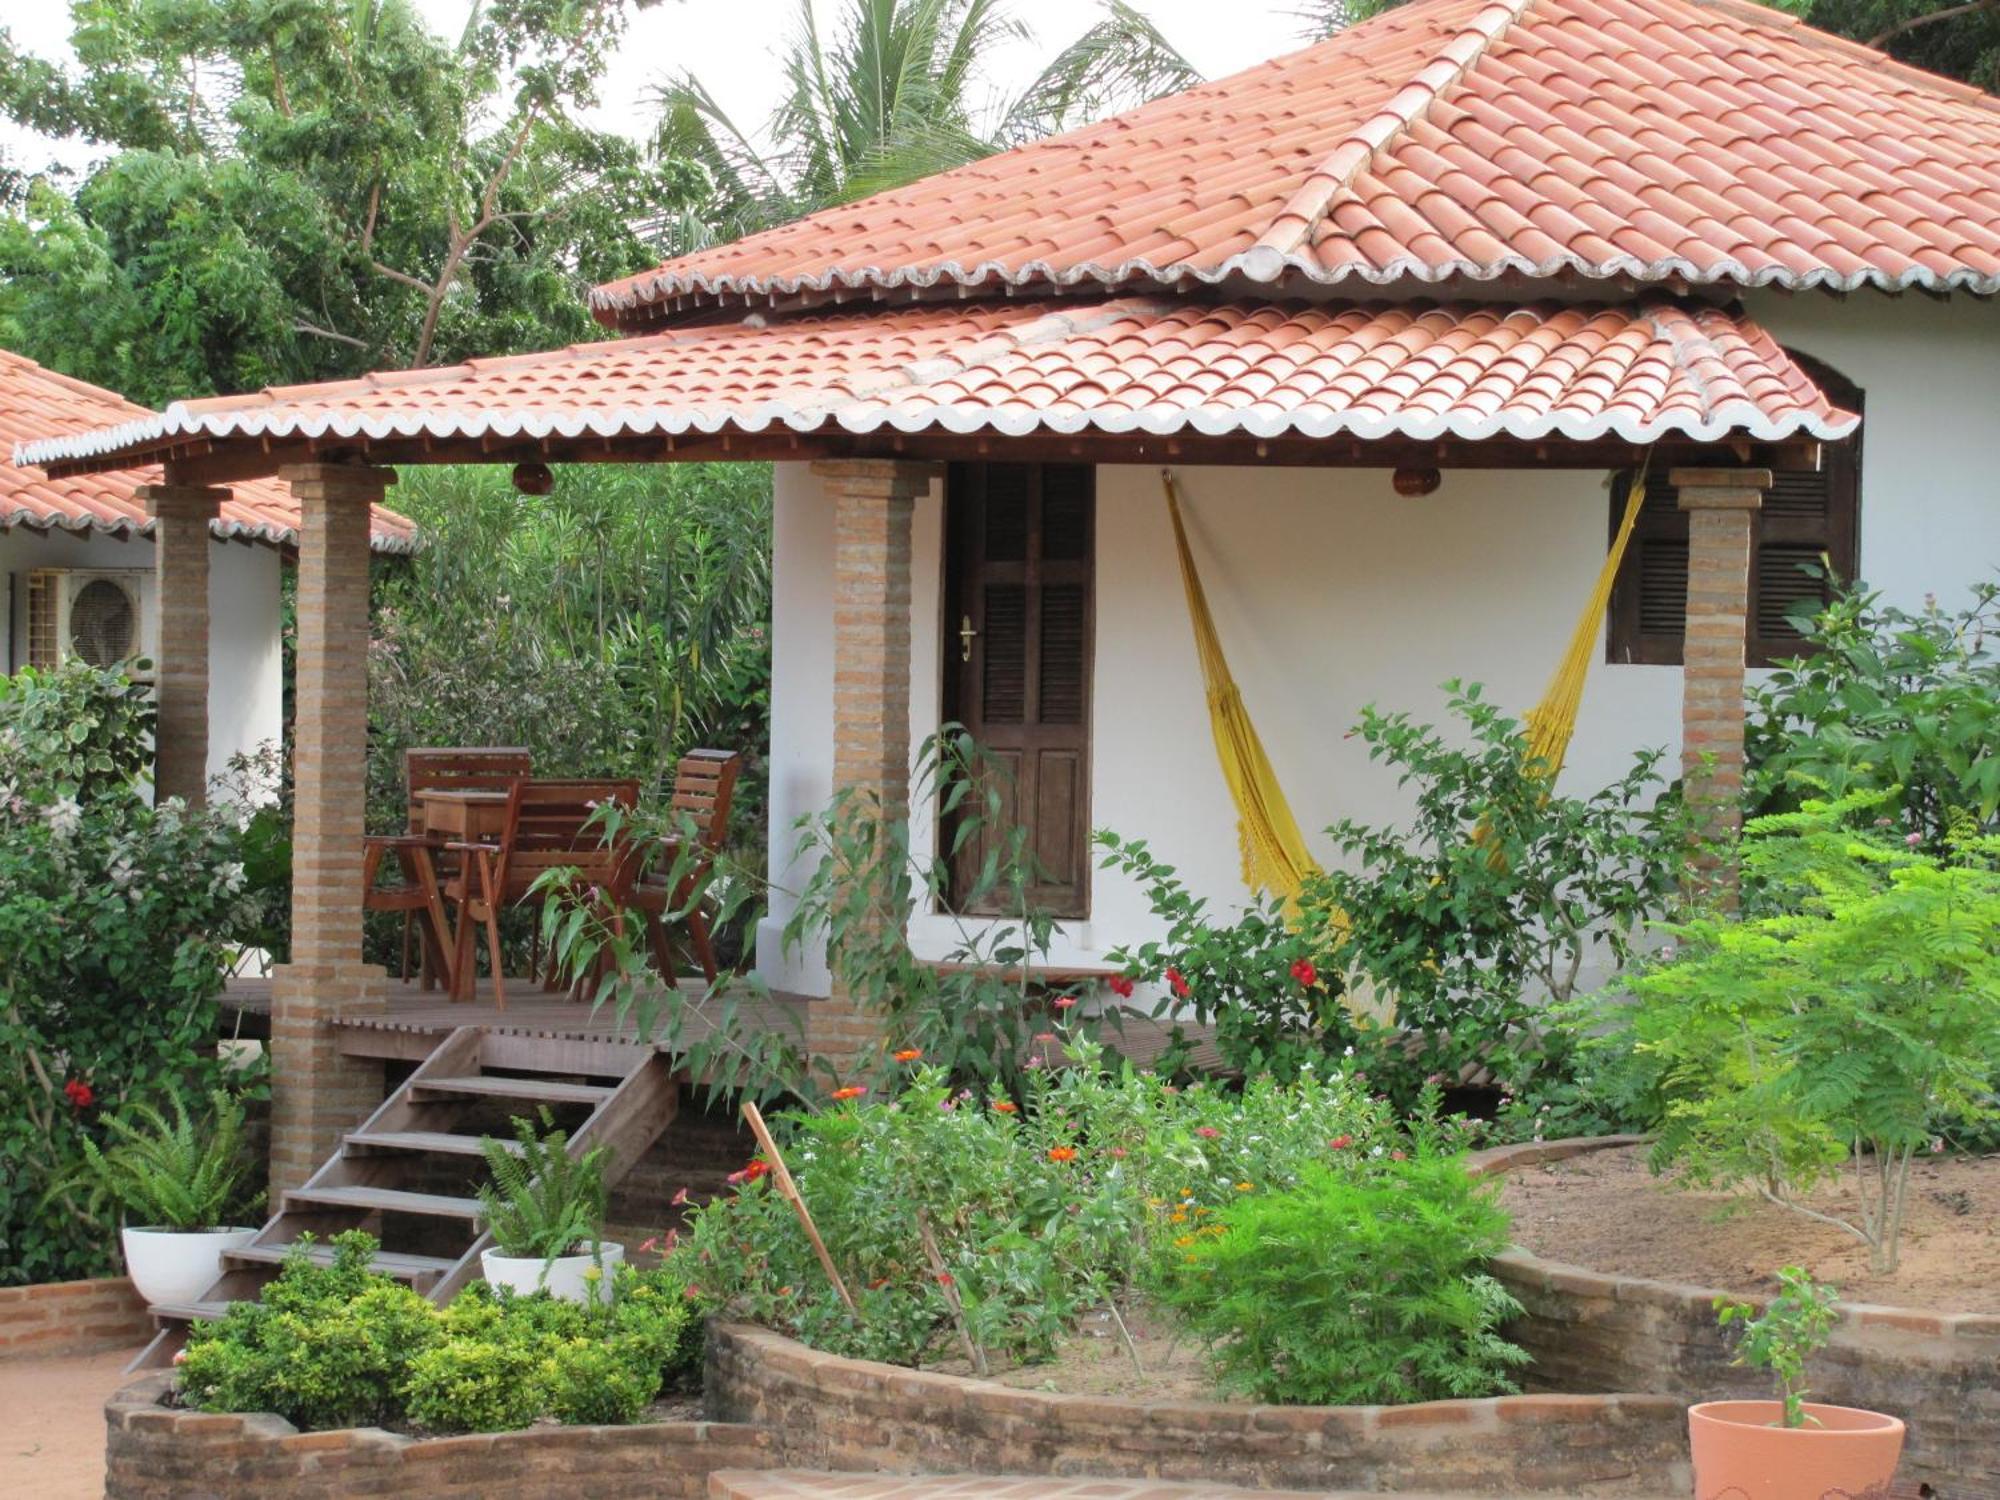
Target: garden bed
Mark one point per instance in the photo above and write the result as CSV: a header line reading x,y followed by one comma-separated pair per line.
x,y
1605,1210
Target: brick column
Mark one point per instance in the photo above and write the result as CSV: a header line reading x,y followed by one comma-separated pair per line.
x,y
1721,506
181,516
317,1093
873,500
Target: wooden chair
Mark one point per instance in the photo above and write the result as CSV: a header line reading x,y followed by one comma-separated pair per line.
x,y
549,826
704,786
482,768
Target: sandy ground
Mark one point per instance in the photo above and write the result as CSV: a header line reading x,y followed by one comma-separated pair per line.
x,y
1094,1360
52,1424
1605,1211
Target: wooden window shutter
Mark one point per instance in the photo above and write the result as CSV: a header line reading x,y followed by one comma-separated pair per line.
x,y
1810,519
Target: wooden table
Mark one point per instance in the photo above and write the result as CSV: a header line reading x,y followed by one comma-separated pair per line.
x,y
469,817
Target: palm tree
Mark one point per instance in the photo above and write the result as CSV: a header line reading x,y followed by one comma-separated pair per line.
x,y
891,98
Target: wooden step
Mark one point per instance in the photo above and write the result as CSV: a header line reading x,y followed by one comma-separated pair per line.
x,y
442,1142
190,1312
386,1263
389,1200
539,1090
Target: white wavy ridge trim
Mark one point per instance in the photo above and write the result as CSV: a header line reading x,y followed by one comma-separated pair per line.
x,y
1262,264
1731,418
224,531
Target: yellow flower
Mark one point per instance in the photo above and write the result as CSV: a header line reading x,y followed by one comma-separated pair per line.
x,y
1183,1240
1244,1187
1177,1217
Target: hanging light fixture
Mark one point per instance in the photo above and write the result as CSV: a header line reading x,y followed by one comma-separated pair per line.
x,y
1413,483
534,479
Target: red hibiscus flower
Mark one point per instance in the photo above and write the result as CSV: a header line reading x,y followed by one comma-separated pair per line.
x,y
1120,986
79,1094
1177,984
1304,972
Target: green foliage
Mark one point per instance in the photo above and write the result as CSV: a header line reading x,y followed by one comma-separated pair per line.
x,y
1795,1325
1268,983
1493,896
896,93
542,1201
119,921
1363,1284
1036,1212
307,189
338,1346
1889,700
1854,1004
185,1173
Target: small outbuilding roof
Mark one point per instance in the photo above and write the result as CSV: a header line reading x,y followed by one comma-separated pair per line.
x,y
1664,141
1139,365
36,402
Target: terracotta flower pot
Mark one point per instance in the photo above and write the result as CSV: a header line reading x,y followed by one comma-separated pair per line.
x,y
1740,1453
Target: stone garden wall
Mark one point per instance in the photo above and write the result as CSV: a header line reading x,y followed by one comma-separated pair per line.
x,y
851,1414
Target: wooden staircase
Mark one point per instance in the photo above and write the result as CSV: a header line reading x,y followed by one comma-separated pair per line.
x,y
426,1134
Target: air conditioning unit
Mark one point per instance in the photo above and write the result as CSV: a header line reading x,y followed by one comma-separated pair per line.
x,y
103,615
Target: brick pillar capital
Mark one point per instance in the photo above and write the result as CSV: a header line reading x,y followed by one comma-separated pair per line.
x,y
1720,489
907,478
182,499
337,482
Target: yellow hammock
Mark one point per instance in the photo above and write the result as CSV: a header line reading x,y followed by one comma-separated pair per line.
x,y
1274,851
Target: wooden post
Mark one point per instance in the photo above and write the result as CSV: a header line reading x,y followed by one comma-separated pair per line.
x,y
788,1190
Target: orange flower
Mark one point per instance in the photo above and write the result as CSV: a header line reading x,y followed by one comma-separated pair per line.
x,y
1062,1153
908,1055
852,1091
1006,1107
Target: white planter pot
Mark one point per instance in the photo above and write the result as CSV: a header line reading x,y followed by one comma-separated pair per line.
x,y
178,1266
562,1277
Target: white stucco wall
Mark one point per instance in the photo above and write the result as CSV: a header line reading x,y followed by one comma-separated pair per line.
x,y
246,693
1331,593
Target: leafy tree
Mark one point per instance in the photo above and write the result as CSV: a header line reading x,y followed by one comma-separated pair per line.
x,y
307,189
892,95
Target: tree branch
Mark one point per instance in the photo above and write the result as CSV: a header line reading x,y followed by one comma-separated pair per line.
x,y
1916,22
299,325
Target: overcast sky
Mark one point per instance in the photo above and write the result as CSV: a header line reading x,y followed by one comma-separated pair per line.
x,y
732,46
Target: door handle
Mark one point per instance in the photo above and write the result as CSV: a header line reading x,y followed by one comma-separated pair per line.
x,y
965,635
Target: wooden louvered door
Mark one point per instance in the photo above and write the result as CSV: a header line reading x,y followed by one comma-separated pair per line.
x,y
1018,645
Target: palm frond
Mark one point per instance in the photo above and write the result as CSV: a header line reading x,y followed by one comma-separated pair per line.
x,y
1121,61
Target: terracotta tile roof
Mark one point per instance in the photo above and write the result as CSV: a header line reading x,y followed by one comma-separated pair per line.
x,y
37,402
1130,364
1706,140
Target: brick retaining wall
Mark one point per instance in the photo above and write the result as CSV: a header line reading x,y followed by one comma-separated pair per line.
x,y
857,1415
71,1317
1940,1372
158,1453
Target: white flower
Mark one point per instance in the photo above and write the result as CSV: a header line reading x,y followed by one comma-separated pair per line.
x,y
232,877
65,817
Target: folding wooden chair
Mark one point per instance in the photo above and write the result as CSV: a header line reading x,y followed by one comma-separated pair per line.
x,y
704,786
549,826
482,768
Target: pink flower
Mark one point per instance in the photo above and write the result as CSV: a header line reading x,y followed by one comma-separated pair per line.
x,y
1340,1143
1064,1002
679,1199
1207,1132
1913,839
1045,1036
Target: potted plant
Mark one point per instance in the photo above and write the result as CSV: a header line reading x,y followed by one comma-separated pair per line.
x,y
1790,1448
175,1184
545,1211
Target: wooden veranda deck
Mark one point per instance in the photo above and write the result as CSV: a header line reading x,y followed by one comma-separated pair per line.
x,y
415,1020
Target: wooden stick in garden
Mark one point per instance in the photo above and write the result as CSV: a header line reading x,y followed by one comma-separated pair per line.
x,y
789,1190
950,1289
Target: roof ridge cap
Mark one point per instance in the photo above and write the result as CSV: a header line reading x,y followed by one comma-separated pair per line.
x,y
1793,28
1304,209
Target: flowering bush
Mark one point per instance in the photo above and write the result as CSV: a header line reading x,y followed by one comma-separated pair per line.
x,y
115,934
962,1221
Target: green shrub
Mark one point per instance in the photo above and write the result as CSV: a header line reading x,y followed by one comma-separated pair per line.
x,y
338,1346
598,1383
1360,1285
476,1385
118,923
1852,1006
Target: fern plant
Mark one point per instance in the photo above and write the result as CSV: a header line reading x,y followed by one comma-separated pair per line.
x,y
184,1173
542,1202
